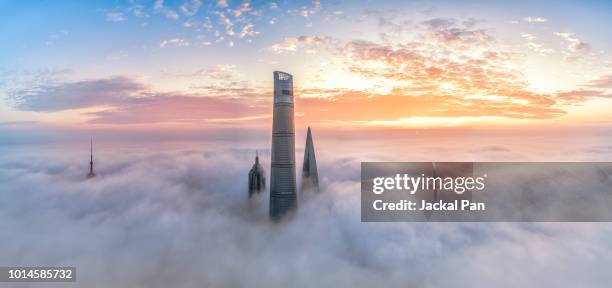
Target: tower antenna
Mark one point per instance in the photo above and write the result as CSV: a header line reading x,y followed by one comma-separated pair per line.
x,y
91,172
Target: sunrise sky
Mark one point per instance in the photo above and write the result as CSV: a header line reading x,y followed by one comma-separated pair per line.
x,y
160,64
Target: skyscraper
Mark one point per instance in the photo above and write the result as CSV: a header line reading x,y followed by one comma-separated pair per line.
x,y
310,175
283,196
257,178
91,172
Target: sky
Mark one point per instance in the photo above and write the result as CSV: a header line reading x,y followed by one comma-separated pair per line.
x,y
155,65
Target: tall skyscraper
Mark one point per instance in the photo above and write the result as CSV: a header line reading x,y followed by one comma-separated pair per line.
x,y
257,178
283,196
310,175
91,172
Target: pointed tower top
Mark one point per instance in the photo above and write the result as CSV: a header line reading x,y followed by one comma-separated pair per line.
x,y
257,178
310,175
91,172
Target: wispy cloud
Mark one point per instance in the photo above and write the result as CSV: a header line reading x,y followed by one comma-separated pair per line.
x,y
172,14
178,42
534,19
130,102
603,82
314,8
173,108
292,44
596,88
116,56
575,44
576,48
56,37
74,95
456,32
225,72
222,3
243,8
159,7
138,11
115,16
359,107
227,23
536,47
527,36
191,7
248,30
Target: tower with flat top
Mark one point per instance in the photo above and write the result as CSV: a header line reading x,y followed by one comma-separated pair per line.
x,y
283,194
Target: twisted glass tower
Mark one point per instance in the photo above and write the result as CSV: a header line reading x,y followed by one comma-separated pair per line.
x,y
283,196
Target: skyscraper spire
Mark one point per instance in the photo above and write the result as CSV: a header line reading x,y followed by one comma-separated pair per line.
x,y
310,176
91,172
257,178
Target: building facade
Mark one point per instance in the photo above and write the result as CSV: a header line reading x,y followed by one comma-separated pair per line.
x,y
310,175
283,194
257,178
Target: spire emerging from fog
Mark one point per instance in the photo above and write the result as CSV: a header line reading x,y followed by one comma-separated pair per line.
x,y
257,178
283,194
310,176
91,163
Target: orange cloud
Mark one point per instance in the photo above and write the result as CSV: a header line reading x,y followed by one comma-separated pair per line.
x,y
447,68
355,106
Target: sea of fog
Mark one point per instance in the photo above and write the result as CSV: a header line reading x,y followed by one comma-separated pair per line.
x,y
176,214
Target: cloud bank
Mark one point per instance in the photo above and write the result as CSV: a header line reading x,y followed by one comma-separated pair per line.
x,y
179,216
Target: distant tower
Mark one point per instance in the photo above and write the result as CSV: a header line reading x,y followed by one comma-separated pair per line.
x,y
257,178
91,172
310,176
283,196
